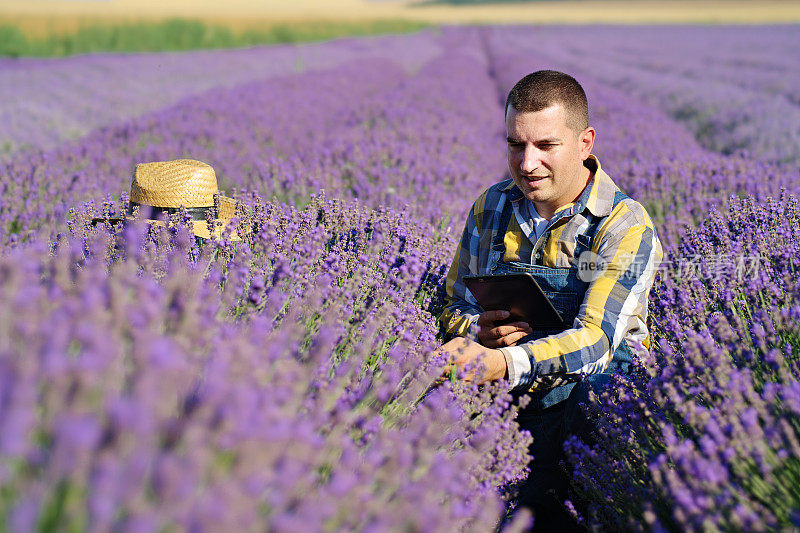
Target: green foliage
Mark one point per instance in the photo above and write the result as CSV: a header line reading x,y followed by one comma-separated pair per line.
x,y
63,510
12,41
182,34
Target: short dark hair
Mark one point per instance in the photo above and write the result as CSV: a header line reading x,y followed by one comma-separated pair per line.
x,y
544,88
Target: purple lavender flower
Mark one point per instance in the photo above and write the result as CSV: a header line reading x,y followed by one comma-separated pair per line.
x,y
283,381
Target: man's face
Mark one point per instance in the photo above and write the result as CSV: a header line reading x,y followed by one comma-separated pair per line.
x,y
545,156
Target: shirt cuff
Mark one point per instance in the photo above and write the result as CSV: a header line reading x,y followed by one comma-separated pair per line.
x,y
518,363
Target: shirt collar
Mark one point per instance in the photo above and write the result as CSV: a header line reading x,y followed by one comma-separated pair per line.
x,y
597,197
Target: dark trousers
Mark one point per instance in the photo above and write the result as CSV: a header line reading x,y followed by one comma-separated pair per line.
x,y
545,490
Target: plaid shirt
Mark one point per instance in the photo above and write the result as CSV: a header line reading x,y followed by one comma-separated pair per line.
x,y
614,308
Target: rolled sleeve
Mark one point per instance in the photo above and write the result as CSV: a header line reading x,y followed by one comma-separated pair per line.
x,y
518,365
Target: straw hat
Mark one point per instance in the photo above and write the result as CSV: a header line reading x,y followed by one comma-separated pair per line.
x,y
161,188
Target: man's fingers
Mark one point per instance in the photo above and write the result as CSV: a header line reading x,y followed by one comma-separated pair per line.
x,y
488,318
508,329
511,340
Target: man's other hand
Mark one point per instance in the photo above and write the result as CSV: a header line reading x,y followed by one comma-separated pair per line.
x,y
466,353
493,335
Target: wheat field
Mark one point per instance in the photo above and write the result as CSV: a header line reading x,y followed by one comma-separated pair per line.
x,y
38,17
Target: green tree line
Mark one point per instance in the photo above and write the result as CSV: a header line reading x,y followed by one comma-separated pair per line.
x,y
182,34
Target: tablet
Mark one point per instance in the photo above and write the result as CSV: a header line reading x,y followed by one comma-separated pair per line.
x,y
520,295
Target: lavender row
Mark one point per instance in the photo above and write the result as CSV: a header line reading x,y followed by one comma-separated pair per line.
x,y
44,102
755,68
365,130
735,88
368,130
225,137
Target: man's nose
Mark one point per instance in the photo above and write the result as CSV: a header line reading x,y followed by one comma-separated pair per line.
x,y
530,160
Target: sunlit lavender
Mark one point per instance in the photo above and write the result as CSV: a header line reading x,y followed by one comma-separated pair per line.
x,y
284,382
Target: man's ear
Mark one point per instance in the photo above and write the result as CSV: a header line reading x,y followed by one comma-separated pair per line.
x,y
586,142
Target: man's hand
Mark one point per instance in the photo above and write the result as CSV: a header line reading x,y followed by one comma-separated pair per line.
x,y
492,335
466,352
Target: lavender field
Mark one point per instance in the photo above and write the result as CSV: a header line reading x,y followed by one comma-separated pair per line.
x,y
284,383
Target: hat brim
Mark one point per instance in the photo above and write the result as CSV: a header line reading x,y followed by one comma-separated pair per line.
x,y
227,209
200,228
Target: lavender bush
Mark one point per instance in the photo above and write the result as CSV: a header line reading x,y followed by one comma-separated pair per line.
x,y
149,382
706,434
285,381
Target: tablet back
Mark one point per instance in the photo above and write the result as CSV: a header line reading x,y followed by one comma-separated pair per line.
x,y
520,295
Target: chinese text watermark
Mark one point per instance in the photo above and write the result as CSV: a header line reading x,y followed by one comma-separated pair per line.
x,y
714,267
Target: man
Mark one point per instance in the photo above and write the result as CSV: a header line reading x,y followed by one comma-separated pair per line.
x,y
558,214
